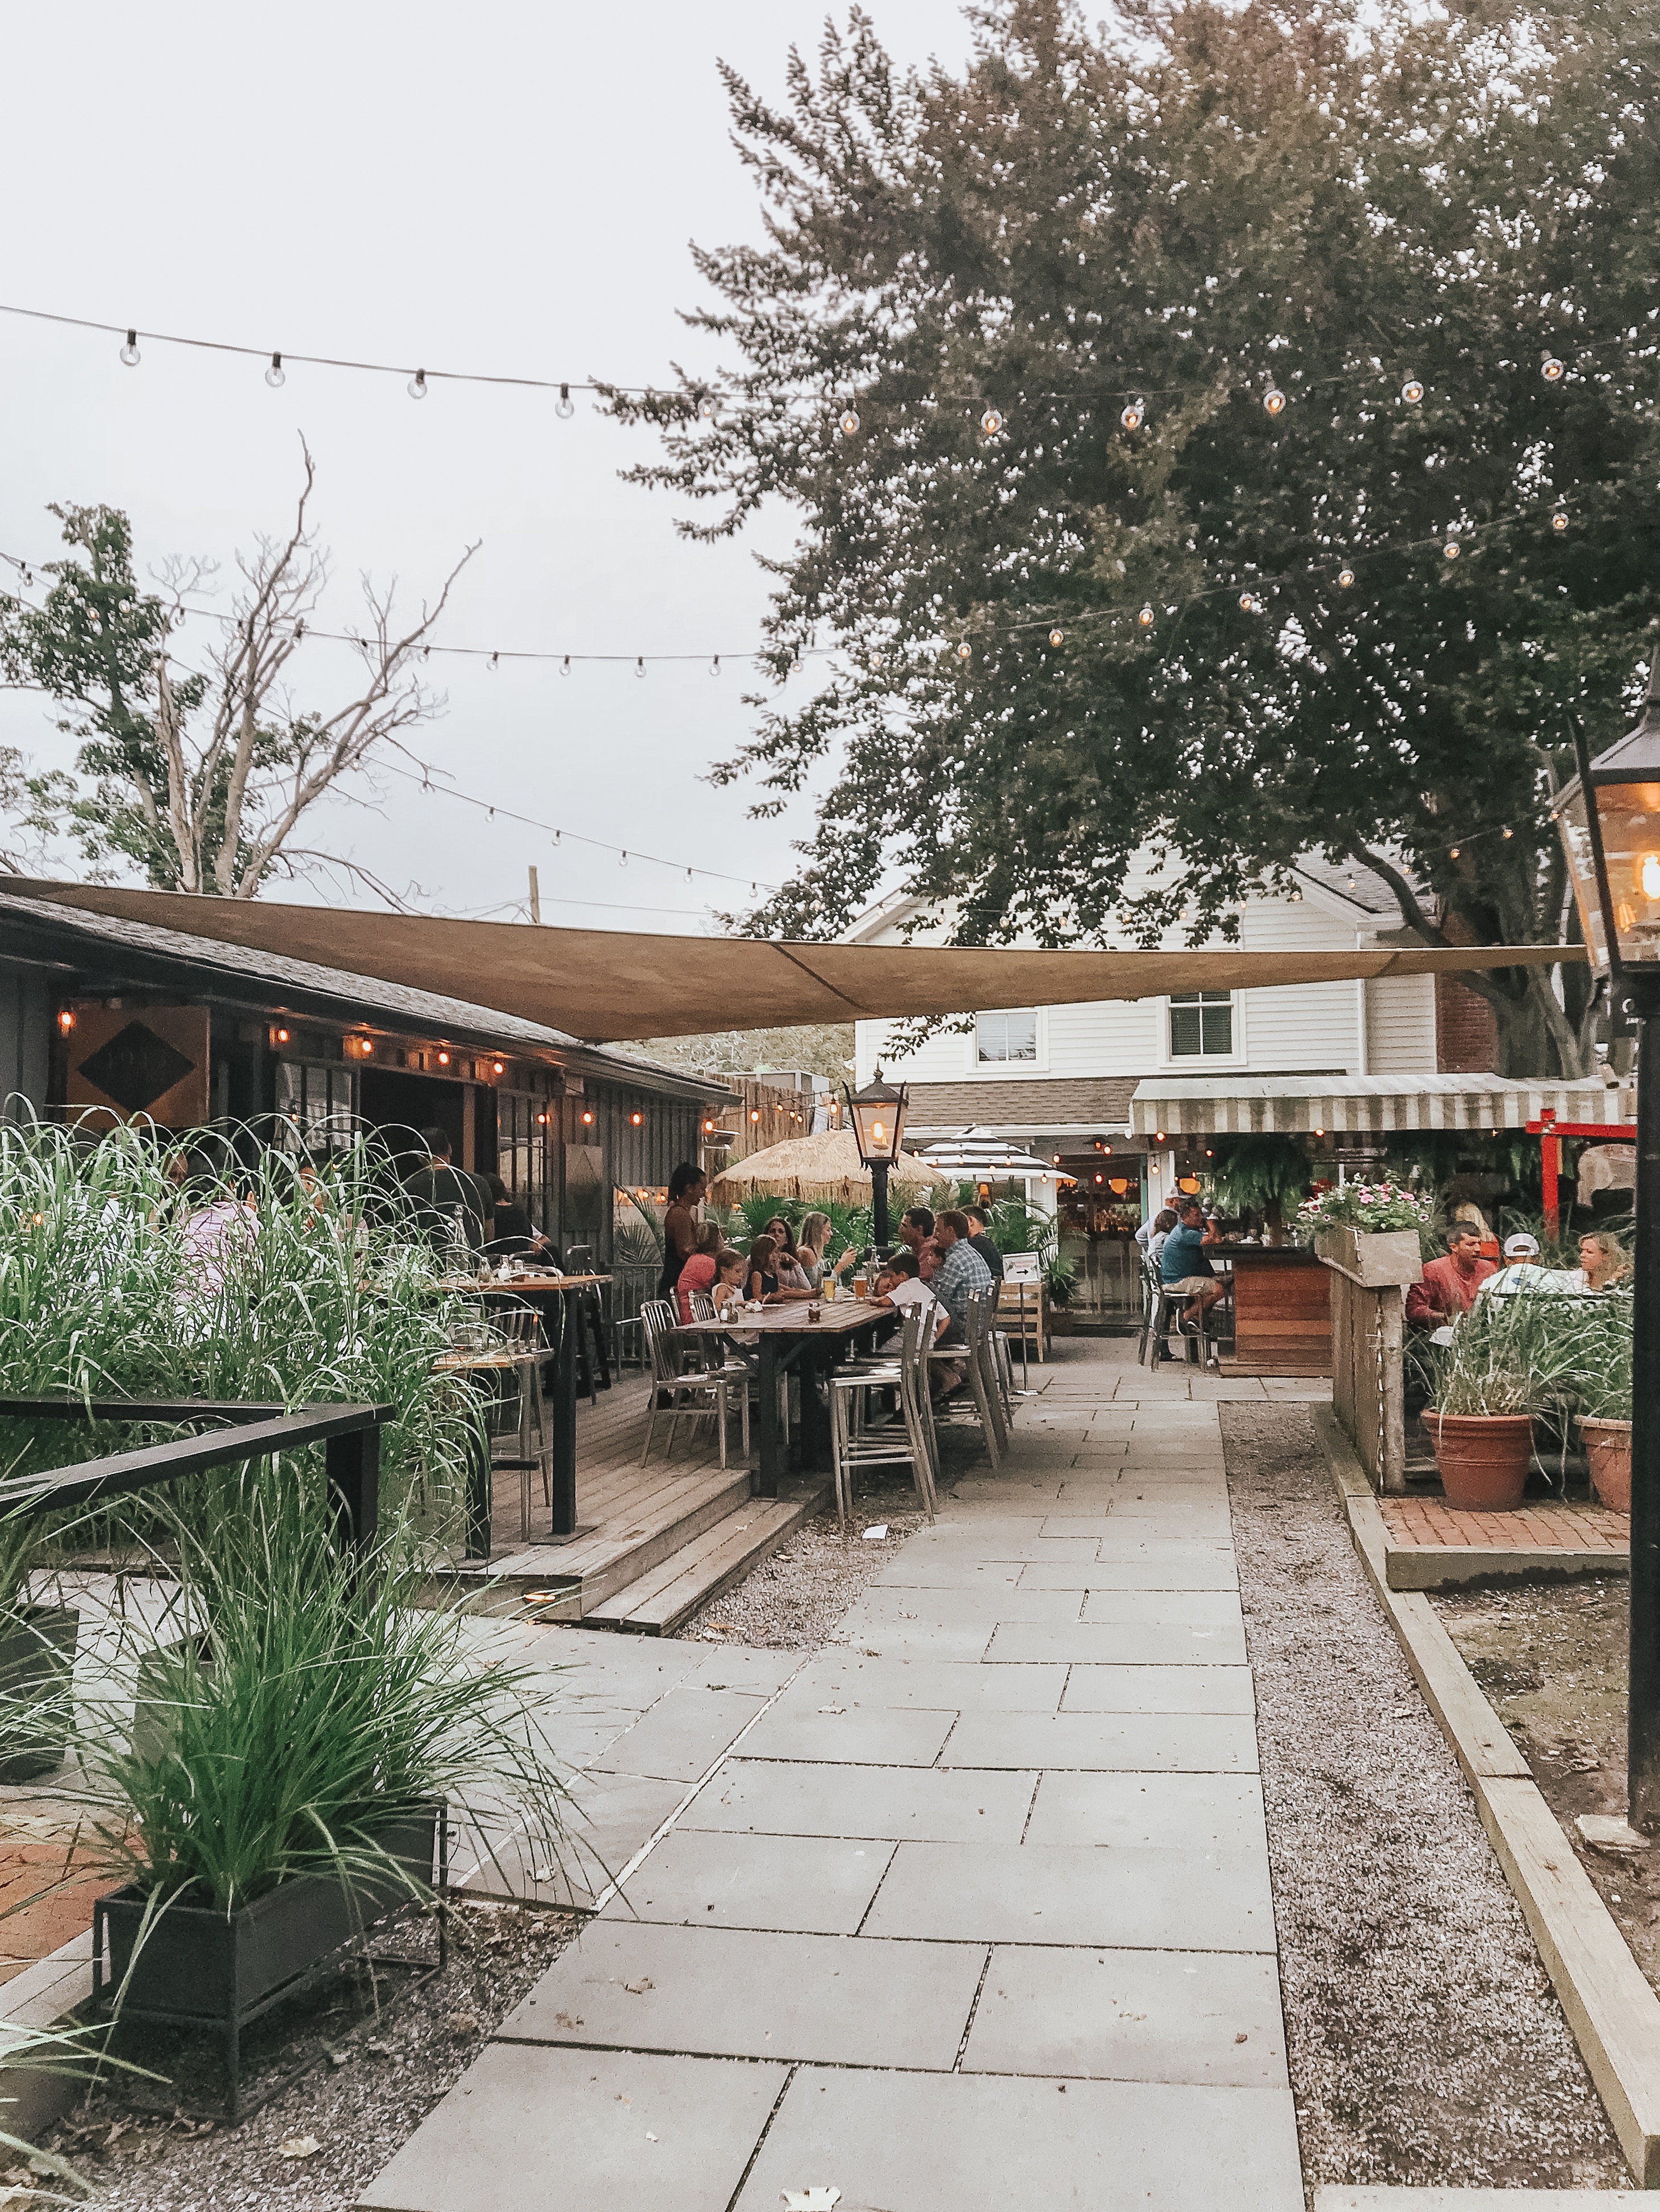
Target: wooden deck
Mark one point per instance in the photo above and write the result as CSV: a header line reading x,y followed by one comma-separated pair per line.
x,y
666,1538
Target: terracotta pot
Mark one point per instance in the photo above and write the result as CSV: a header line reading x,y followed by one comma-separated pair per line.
x,y
1483,1458
1608,1447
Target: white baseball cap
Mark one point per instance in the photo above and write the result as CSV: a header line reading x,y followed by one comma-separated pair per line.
x,y
1521,1246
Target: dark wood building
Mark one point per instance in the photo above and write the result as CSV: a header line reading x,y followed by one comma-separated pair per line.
x,y
116,1018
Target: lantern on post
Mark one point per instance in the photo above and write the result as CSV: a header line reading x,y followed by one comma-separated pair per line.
x,y
1610,820
878,1115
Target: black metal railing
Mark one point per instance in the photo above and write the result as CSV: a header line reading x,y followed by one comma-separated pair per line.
x,y
350,1435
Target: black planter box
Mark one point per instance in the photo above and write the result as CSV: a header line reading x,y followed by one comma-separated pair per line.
x,y
37,1666
196,1965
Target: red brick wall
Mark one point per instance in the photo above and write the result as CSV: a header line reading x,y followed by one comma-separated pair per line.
x,y
1466,1035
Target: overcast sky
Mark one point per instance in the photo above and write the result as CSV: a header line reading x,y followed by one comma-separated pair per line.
x,y
504,188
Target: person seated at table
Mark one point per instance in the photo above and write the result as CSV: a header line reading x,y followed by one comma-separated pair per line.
x,y
916,1234
441,1190
980,1238
1449,1284
728,1286
762,1279
517,1236
1523,1274
899,1285
810,1247
1151,1234
1604,1262
700,1271
791,1275
962,1271
1184,1264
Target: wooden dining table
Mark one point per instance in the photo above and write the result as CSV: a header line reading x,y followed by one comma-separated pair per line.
x,y
542,1288
786,1340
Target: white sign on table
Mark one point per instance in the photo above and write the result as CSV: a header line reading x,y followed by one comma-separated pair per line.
x,y
1022,1267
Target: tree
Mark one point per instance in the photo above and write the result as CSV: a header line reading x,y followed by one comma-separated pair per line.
x,y
201,778
818,1048
1072,587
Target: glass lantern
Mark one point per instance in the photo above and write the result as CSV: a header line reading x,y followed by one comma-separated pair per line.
x,y
878,1120
1610,820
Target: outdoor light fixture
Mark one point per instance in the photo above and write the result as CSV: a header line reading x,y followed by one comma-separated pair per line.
x,y
66,1020
587,1118
635,1119
755,1113
281,1036
877,1113
1609,818
499,1066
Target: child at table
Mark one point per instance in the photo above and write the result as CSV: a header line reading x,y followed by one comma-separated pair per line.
x,y
699,1271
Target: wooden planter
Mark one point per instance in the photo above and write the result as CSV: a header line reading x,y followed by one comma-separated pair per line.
x,y
1390,1258
1607,1448
203,1968
37,1666
1483,1458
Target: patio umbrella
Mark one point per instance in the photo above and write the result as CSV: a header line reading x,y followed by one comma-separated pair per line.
x,y
975,1152
826,1166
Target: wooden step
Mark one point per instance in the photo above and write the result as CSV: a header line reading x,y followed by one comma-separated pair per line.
x,y
658,1602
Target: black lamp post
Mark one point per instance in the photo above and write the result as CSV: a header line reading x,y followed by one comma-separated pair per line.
x,y
1609,818
877,1113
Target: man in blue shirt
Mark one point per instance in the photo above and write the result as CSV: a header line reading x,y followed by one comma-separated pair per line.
x,y
1184,1264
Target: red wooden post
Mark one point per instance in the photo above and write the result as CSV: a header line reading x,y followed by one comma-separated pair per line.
x,y
1550,1151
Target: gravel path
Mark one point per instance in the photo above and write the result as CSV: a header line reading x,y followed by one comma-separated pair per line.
x,y
1425,2044
357,2113
794,1600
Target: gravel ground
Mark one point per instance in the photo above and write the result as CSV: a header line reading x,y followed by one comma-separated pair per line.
x,y
1425,2044
793,1601
356,2112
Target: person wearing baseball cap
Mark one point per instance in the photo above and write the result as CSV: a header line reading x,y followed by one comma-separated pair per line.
x,y
1523,1273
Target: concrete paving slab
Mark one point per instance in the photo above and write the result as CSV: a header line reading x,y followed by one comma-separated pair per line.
x,y
1205,2017
920,1639
1203,1812
951,1571
684,1734
551,2130
1343,2199
752,1797
1165,1608
1159,1689
706,1879
958,1542
1173,1567
728,1992
622,1811
861,1736
884,1608
1142,1743
1119,1643
919,2141
1129,1898
839,1677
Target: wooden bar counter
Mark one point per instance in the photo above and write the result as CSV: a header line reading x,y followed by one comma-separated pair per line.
x,y
1281,1310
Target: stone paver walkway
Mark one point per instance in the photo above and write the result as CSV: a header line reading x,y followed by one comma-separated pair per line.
x,y
970,1910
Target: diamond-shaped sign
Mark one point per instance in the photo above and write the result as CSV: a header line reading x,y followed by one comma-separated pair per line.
x,y
136,1067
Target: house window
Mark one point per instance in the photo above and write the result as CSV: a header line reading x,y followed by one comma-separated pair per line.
x,y
1201,1023
999,1038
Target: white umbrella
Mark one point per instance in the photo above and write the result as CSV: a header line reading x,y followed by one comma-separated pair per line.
x,y
976,1152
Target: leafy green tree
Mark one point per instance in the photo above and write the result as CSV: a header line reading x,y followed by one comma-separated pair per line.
x,y
1078,583
197,778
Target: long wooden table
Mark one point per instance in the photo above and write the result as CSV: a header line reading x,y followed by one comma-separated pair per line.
x,y
536,1289
788,1338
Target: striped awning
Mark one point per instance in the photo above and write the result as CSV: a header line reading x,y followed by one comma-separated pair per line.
x,y
1363,1105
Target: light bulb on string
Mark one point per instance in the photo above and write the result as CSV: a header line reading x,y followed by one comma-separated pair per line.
x,y
1558,522
1451,549
849,422
1144,618
1411,391
706,406
1247,604
1551,369
1055,636
965,651
640,664
564,407
130,353
494,662
273,375
1134,415
715,666
1454,853
622,859
1507,833
417,385
991,422
1345,578
564,665
1273,399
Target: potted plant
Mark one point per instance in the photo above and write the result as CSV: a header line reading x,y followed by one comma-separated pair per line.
x,y
1262,1174
285,1782
1376,1231
1503,1361
1604,1396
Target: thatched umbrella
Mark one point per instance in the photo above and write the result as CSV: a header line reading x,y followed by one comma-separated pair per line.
x,y
815,1169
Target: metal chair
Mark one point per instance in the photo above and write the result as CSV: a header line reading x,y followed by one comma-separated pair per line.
x,y
691,1393
986,1410
854,1444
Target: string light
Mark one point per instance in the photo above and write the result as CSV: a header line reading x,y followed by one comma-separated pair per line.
x,y
715,666
1411,391
1134,415
1274,400
1454,853
1055,636
417,385
1552,369
564,665
1507,833
640,664
130,353
1345,579
706,406
965,651
494,662
564,407
1145,618
1450,549
1558,522
1248,604
849,425
273,375
991,422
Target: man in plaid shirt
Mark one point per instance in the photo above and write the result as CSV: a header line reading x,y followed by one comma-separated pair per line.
x,y
961,1270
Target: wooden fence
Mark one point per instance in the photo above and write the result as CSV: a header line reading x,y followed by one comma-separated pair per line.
x,y
1368,1279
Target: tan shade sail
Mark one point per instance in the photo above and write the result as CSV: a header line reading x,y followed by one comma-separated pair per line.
x,y
815,1169
605,984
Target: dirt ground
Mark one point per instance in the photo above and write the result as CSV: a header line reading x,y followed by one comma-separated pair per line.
x,y
1425,2044
1550,1658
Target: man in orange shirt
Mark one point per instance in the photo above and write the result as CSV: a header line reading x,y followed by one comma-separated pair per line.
x,y
1449,1285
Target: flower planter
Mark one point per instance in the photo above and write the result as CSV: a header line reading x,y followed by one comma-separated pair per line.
x,y
1379,1260
37,1665
1608,1447
1483,1458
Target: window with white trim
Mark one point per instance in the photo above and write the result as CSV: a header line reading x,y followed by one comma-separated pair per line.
x,y
999,1037
1201,1025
